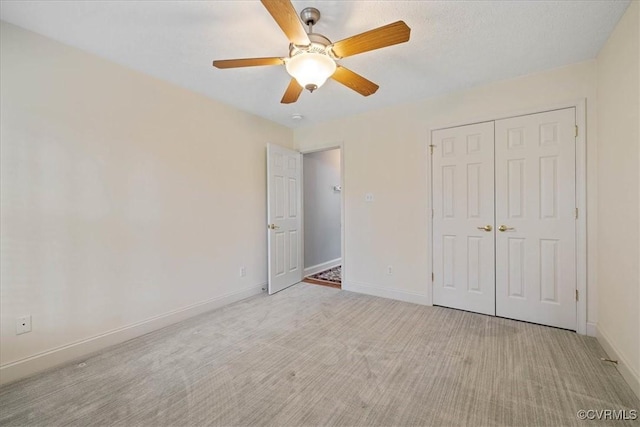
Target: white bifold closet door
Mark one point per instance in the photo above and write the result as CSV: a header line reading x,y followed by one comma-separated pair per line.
x,y
504,231
535,203
463,218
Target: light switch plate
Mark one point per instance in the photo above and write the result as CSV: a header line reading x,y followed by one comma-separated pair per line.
x,y
368,197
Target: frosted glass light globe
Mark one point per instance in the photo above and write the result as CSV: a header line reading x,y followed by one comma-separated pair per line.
x,y
311,69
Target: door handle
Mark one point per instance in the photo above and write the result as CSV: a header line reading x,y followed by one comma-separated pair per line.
x,y
505,228
272,227
486,228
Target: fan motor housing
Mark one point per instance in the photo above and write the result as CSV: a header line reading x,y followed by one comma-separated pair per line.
x,y
319,44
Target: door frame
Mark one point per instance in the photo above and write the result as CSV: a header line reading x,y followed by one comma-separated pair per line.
x,y
340,146
581,195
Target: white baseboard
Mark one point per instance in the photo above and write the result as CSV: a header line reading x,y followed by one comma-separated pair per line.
x,y
365,288
28,366
592,329
322,267
626,370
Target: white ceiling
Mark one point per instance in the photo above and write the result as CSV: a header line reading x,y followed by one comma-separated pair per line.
x,y
454,45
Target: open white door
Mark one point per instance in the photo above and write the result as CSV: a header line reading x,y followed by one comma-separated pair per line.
x,y
284,218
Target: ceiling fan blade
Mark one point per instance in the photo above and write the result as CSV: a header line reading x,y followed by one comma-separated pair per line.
x,y
391,34
286,17
248,62
292,93
354,81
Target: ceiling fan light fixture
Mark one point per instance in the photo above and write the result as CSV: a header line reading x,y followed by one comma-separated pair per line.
x,y
312,56
311,69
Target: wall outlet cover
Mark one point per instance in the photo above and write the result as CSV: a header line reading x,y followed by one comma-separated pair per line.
x,y
23,324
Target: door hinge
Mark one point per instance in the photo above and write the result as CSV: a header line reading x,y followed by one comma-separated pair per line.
x,y
577,295
576,131
576,213
431,147
433,277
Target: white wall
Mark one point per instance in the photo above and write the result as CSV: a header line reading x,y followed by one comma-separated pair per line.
x,y
321,207
124,199
385,153
619,195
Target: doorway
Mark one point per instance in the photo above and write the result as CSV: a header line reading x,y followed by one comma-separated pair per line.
x,y
322,217
505,218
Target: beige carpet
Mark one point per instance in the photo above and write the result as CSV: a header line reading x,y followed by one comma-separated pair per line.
x,y
312,355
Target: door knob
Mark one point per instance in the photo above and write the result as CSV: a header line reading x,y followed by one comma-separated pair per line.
x,y
272,227
486,228
505,228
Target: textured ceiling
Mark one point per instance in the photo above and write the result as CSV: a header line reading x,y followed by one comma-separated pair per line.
x,y
454,45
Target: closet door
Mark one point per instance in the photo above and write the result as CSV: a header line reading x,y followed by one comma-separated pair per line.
x,y
463,218
535,218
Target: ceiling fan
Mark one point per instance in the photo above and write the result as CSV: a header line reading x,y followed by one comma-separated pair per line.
x,y
312,57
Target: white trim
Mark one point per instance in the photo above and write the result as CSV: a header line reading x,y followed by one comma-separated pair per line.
x,y
573,103
339,145
368,289
268,218
61,355
430,219
581,194
592,329
581,223
322,267
626,370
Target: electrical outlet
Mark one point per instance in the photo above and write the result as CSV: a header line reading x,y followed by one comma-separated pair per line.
x,y
23,324
389,270
243,271
369,197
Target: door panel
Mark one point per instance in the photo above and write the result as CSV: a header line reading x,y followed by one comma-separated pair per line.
x,y
535,199
284,202
463,201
